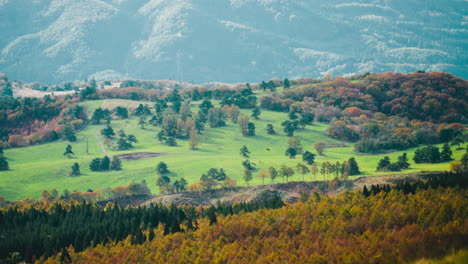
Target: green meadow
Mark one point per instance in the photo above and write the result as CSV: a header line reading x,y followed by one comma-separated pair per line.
x,y
40,167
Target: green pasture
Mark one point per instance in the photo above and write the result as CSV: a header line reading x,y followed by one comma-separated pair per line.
x,y
43,166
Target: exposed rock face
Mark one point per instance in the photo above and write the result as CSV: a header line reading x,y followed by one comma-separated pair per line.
x,y
229,40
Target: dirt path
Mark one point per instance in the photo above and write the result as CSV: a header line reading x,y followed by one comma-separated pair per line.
x,y
101,146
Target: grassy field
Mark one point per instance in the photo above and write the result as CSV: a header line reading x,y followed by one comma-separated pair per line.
x,y
40,167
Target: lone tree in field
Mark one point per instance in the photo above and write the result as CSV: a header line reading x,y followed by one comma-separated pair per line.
x,y
270,129
248,165
162,168
353,167
116,163
320,147
75,169
244,151
308,157
193,139
68,151
256,113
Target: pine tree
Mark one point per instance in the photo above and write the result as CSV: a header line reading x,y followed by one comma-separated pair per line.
x,y
446,154
291,152
308,157
95,164
353,167
244,151
105,163
170,141
68,151
108,132
256,113
162,168
286,84
75,169
4,166
383,164
270,129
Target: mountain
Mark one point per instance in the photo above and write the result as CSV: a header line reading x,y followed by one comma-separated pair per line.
x,y
229,40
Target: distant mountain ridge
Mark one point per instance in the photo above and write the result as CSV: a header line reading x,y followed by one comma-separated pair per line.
x,y
229,40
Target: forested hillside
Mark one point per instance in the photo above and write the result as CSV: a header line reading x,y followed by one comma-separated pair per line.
x,y
388,227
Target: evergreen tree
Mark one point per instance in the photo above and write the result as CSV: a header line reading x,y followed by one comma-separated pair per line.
x,y
75,169
4,166
68,151
251,129
161,137
244,151
95,164
383,163
105,163
291,152
116,163
270,129
162,168
170,141
142,110
289,127
403,162
121,112
248,165
69,133
308,157
446,154
256,113
353,167
286,84
108,132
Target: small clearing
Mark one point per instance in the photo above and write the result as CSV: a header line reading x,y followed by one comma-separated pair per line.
x,y
140,155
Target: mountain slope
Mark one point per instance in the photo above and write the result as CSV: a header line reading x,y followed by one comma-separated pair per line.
x,y
201,40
